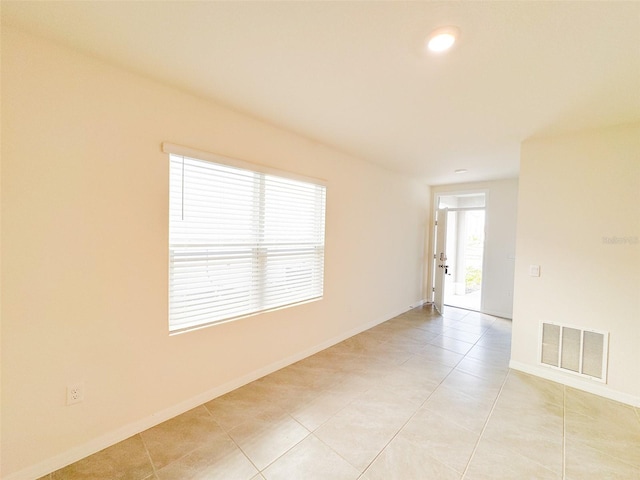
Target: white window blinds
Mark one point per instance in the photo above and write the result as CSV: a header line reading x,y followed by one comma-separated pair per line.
x,y
240,242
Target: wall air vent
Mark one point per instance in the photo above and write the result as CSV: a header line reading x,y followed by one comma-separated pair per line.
x,y
574,350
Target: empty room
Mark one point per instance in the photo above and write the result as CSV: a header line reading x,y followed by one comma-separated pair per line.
x,y
325,240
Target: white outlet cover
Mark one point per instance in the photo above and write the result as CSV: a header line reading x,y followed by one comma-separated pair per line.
x,y
534,270
75,393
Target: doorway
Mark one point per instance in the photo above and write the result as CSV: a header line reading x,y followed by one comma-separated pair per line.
x,y
460,237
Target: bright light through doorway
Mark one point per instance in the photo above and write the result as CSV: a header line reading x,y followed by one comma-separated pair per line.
x,y
465,250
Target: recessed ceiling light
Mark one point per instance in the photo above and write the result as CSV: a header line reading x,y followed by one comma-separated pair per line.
x,y
442,39
460,170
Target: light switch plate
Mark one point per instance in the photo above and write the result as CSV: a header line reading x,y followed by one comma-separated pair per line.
x,y
534,270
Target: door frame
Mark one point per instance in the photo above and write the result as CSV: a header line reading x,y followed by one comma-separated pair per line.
x,y
440,258
432,261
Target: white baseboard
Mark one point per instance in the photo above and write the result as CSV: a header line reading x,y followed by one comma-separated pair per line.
x,y
578,383
417,304
93,446
497,313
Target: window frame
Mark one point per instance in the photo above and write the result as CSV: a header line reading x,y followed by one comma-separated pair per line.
x,y
315,254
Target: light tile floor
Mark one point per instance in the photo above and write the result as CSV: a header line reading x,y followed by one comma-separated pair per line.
x,y
422,396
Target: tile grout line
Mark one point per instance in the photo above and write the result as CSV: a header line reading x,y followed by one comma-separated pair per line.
x,y
146,449
484,427
153,466
311,432
260,471
411,416
584,443
406,422
404,425
519,453
231,438
337,453
361,354
564,432
422,405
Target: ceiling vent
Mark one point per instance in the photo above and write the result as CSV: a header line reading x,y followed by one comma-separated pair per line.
x,y
574,350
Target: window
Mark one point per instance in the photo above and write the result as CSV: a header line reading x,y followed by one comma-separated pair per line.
x,y
240,242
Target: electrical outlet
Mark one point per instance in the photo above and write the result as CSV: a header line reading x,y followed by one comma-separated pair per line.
x,y
75,393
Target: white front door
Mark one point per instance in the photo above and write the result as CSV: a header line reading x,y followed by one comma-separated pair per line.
x,y
441,258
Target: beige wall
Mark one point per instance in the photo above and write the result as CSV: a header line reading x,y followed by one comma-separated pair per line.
x,y
500,241
575,191
84,254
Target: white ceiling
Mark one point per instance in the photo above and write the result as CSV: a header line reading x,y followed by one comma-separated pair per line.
x,y
354,74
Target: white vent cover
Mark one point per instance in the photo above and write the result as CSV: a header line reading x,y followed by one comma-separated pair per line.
x,y
583,352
